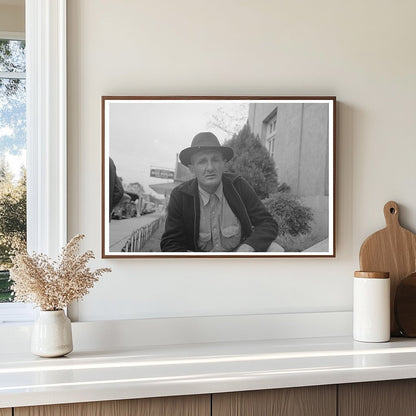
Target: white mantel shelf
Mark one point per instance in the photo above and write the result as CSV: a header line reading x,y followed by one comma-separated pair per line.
x,y
169,370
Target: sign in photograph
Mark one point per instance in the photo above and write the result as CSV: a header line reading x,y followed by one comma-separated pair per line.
x,y
162,173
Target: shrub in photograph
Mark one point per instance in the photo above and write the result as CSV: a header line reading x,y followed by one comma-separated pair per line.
x,y
253,162
291,216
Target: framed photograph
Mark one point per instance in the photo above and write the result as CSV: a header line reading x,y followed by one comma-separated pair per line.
x,y
218,176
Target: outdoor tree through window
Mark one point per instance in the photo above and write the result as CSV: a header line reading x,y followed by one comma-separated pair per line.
x,y
12,156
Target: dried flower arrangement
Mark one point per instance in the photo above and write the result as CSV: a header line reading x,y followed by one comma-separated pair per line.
x,y
52,285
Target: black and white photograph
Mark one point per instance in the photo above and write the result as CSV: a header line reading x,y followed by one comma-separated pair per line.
x,y
218,176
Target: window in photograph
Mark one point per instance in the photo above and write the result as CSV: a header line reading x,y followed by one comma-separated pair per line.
x,y
271,134
271,142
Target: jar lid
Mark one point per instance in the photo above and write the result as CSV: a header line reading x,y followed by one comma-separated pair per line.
x,y
372,275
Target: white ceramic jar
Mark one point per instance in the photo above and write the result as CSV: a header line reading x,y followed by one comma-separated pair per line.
x,y
371,306
52,334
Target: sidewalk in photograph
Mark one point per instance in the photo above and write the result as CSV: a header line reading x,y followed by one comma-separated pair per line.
x,y
121,230
322,246
153,243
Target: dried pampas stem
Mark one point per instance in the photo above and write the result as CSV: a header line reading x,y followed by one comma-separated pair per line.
x,y
53,285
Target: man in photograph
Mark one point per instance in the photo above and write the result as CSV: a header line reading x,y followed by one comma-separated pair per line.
x,y
215,211
116,187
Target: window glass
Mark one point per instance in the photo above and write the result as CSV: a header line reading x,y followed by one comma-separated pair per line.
x,y
12,55
12,156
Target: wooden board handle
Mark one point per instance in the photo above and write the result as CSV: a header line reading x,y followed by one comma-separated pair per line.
x,y
391,214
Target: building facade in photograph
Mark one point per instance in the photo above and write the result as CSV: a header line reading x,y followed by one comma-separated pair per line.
x,y
296,136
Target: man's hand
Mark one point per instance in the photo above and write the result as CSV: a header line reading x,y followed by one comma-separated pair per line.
x,y
245,248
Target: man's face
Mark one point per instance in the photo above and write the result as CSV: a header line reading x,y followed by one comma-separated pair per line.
x,y
208,167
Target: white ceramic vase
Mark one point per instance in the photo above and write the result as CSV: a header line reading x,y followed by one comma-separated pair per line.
x,y
52,334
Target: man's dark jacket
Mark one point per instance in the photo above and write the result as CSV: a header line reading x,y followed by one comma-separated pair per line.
x,y
258,229
116,187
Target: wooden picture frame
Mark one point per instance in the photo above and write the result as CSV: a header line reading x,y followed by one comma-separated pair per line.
x,y
284,149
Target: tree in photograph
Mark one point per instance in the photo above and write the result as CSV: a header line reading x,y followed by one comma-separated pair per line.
x,y
253,162
229,119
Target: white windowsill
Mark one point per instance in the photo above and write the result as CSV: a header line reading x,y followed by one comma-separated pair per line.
x,y
16,313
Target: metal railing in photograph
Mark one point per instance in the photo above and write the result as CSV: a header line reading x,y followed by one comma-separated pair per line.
x,y
139,237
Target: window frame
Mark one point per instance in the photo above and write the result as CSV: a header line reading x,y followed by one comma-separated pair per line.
x,y
12,35
46,121
46,125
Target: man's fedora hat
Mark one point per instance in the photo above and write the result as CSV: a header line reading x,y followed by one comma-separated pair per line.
x,y
204,141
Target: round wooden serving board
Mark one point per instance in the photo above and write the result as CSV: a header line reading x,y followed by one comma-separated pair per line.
x,y
392,250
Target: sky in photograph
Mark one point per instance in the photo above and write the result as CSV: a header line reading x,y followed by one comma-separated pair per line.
x,y
144,135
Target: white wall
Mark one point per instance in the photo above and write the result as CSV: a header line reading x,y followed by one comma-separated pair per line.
x,y
360,51
12,17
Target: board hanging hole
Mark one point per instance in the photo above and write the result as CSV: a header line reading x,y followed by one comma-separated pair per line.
x,y
392,211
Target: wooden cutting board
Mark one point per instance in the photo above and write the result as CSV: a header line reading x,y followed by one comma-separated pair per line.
x,y
405,306
393,250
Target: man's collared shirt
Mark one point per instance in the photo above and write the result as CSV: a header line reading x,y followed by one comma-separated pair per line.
x,y
219,228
